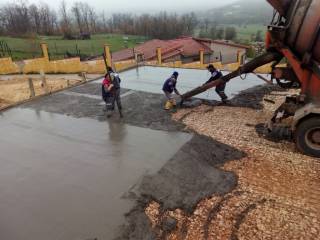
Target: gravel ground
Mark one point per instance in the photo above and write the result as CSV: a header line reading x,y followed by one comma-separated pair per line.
x,y
277,196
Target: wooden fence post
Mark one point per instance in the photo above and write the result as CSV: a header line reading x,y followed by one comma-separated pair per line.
x,y
201,57
84,76
159,55
31,87
107,55
44,48
44,82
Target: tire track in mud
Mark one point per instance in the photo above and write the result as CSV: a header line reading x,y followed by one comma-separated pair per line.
x,y
240,219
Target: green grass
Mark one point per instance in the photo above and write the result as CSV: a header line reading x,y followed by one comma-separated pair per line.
x,y
23,48
244,32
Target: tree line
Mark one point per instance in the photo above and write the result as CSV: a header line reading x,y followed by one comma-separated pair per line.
x,y
23,19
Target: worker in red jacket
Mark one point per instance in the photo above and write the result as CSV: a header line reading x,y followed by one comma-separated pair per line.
x,y
111,92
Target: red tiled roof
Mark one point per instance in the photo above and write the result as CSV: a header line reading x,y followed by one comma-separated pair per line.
x,y
185,46
148,49
171,54
122,55
190,46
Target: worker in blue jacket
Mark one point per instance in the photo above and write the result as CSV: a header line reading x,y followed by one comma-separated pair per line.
x,y
168,88
215,75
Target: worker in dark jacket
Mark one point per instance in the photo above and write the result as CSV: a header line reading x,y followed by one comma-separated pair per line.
x,y
215,75
111,89
168,88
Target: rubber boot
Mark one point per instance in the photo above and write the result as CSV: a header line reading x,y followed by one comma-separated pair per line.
x,y
168,105
174,105
109,114
224,97
225,100
109,110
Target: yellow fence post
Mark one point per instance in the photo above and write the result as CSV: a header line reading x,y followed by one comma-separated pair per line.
x,y
239,57
44,49
107,55
201,57
159,56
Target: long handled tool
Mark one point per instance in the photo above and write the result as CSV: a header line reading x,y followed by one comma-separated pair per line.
x,y
246,68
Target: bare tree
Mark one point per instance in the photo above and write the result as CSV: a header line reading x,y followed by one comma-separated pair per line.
x,y
16,18
92,20
35,18
48,19
77,14
84,11
65,22
21,18
189,21
104,22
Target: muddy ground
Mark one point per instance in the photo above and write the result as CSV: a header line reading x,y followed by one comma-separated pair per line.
x,y
230,181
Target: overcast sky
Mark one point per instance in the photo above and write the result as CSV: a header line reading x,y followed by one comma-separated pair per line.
x,y
140,6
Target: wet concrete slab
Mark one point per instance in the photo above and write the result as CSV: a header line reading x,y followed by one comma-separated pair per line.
x,y
92,88
140,109
69,171
151,79
64,178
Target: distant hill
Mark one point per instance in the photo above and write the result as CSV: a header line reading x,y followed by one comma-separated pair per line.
x,y
240,12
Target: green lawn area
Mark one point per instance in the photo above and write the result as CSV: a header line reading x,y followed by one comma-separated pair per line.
x,y
244,32
23,48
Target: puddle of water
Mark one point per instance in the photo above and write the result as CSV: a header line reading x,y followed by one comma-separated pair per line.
x,y
151,79
64,178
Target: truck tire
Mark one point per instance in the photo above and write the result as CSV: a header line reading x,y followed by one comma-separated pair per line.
x,y
307,137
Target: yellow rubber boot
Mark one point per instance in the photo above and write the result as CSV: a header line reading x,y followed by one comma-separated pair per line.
x,y
174,105
168,105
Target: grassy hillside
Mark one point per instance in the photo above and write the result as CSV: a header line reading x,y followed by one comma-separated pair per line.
x,y
23,48
242,11
247,16
244,32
